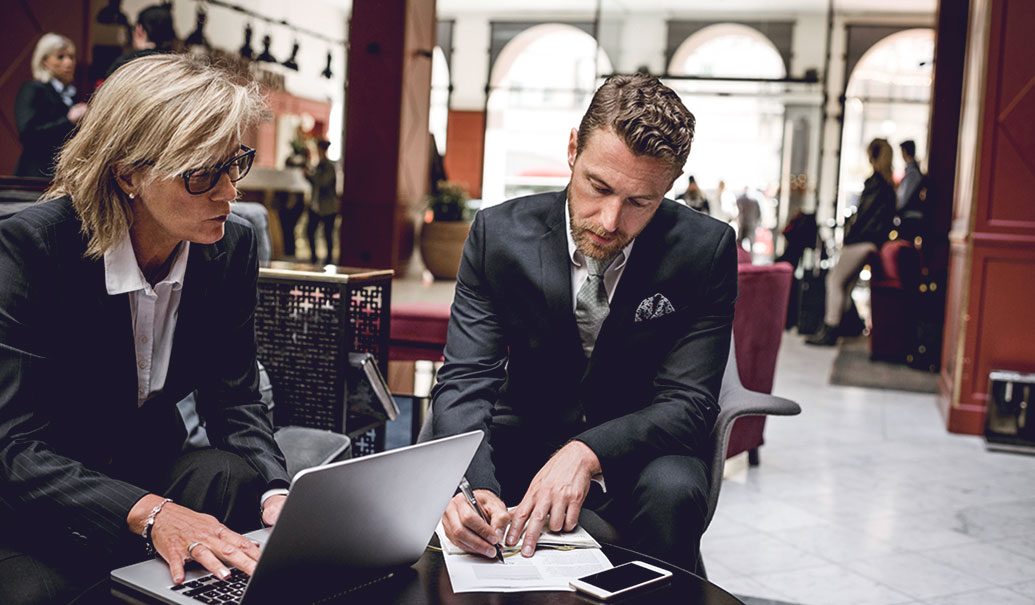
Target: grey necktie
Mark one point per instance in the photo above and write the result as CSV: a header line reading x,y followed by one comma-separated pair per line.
x,y
591,304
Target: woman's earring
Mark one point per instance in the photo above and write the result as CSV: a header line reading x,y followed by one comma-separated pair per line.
x,y
132,195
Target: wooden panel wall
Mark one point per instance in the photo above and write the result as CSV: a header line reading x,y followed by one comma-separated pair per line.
x,y
21,25
993,261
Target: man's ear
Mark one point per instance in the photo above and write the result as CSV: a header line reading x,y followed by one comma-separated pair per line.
x,y
673,181
573,148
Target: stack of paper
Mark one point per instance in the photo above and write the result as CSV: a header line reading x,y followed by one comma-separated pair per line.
x,y
547,569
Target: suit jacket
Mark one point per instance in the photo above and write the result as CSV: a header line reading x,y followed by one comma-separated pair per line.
x,y
43,127
75,449
513,354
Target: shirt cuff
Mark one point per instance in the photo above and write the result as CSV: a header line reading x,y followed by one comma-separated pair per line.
x,y
269,494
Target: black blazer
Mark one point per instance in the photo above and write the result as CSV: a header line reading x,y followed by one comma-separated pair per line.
x,y
43,126
514,357
74,447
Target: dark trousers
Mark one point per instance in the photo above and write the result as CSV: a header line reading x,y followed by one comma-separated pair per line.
x,y
40,563
316,220
658,509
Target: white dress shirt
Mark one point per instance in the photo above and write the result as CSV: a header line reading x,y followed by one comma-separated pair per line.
x,y
153,310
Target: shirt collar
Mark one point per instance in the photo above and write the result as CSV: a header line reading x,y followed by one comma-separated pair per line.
x,y
122,274
576,256
67,92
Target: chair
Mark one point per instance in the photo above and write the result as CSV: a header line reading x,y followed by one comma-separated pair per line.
x,y
758,324
894,300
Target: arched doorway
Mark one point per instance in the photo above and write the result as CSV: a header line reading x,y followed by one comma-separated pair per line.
x,y
540,86
888,95
737,100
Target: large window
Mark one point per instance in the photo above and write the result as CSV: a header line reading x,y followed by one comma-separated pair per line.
x,y
541,84
438,112
888,96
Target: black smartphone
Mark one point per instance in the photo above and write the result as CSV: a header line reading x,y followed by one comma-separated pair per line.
x,y
620,580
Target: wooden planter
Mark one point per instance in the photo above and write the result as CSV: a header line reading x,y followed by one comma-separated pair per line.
x,y
442,245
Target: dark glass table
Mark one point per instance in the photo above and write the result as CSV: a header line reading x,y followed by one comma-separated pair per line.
x,y
427,583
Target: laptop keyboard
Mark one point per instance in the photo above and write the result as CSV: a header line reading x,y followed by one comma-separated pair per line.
x,y
212,591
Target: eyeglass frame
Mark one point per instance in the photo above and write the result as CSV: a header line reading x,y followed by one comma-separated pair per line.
x,y
221,170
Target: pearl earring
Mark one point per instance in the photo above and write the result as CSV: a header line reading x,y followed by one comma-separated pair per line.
x,y
132,196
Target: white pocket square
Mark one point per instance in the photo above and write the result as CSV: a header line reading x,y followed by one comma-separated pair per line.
x,y
653,307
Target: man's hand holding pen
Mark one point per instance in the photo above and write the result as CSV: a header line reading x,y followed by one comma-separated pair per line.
x,y
468,530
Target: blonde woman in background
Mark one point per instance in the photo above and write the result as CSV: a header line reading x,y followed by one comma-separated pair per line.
x,y
128,288
865,231
45,110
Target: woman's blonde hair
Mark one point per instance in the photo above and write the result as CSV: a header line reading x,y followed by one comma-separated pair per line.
x,y
48,45
163,114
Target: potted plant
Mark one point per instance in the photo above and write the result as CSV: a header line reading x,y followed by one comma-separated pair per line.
x,y
446,224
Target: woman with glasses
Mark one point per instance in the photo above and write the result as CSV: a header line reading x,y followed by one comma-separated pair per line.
x,y
129,287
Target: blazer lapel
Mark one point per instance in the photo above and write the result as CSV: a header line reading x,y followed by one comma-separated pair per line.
x,y
197,282
555,276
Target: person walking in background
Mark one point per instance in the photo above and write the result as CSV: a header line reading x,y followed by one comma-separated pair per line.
x,y
323,205
865,231
153,33
45,111
749,213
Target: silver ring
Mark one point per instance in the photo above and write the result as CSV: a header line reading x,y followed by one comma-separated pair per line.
x,y
192,546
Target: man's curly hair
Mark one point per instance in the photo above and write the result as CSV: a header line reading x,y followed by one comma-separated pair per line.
x,y
646,114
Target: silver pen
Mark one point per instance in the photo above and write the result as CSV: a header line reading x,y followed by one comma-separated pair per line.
x,y
465,487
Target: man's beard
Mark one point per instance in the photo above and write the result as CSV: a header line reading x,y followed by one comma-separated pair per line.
x,y
592,249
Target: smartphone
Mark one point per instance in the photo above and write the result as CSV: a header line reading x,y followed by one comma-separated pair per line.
x,y
620,580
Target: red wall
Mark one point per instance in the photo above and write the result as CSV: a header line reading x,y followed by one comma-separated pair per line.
x,y
465,149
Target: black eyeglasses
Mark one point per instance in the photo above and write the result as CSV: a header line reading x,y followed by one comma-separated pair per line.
x,y
203,180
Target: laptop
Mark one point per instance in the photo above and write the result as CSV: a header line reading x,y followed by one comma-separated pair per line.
x,y
343,525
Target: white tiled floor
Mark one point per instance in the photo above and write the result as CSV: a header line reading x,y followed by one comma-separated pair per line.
x,y
863,499
866,498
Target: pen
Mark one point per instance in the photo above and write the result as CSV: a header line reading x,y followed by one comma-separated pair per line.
x,y
465,487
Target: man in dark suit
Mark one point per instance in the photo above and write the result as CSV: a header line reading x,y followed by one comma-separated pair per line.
x,y
588,338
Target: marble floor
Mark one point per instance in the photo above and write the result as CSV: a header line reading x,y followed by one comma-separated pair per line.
x,y
863,499
866,499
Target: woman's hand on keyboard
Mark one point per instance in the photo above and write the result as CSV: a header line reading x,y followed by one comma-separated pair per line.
x,y
178,527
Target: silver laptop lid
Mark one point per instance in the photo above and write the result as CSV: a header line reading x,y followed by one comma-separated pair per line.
x,y
343,522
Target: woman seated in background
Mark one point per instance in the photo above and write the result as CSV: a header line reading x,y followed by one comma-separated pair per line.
x,y
865,231
45,111
127,289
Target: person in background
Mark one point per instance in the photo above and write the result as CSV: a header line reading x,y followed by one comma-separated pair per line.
x,y
694,197
912,178
45,111
133,245
323,204
865,231
749,213
153,33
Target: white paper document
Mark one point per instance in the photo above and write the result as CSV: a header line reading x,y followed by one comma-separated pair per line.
x,y
547,569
